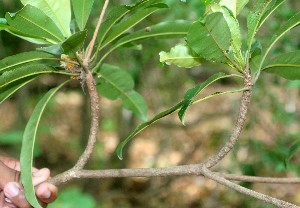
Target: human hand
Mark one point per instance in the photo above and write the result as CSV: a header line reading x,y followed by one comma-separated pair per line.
x,y
11,190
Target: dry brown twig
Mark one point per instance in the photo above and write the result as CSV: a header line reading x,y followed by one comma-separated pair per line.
x,y
201,169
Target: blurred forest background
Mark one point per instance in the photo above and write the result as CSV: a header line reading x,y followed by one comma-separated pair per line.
x,y
273,124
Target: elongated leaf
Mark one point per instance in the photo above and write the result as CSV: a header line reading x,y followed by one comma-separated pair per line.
x,y
254,18
270,11
181,56
191,94
115,15
176,29
29,137
9,90
20,59
12,76
82,10
58,11
131,21
286,65
116,83
231,5
292,151
212,39
31,38
33,22
240,5
290,24
133,101
232,23
144,125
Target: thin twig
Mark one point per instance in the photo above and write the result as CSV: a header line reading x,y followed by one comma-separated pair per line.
x,y
248,192
87,58
215,159
256,179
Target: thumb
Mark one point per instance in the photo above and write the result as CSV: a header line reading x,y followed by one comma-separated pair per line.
x,y
8,175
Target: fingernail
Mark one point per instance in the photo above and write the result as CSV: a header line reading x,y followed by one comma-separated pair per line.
x,y
8,200
12,190
46,194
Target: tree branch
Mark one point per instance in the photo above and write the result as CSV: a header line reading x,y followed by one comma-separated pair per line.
x,y
215,159
95,106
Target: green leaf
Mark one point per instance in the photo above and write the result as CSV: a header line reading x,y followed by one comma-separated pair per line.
x,y
180,55
116,83
34,23
29,137
82,10
286,27
292,151
286,65
115,15
7,91
265,16
69,47
25,71
231,5
144,125
190,95
131,21
12,62
233,24
58,11
240,5
74,43
253,19
176,29
133,101
211,40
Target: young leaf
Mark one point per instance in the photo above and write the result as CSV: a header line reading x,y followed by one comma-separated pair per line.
x,y
192,93
211,40
131,21
58,11
12,62
286,65
144,125
82,10
29,137
180,55
292,151
116,83
7,91
176,29
34,23
74,43
69,47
